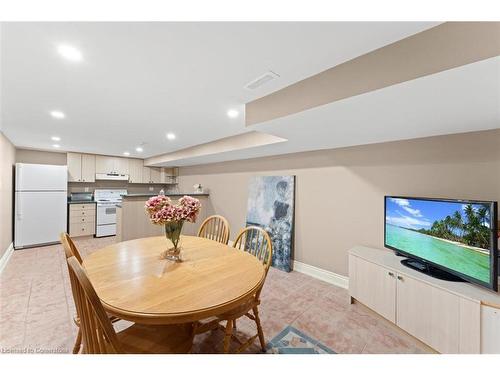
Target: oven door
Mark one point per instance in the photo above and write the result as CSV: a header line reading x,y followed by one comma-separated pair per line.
x,y
106,213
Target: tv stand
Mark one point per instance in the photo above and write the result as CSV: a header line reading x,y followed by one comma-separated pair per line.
x,y
449,317
430,270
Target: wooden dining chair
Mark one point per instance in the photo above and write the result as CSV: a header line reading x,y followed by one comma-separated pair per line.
x,y
257,242
70,250
215,228
99,336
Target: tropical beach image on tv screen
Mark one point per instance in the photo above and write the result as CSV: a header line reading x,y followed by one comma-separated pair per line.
x,y
451,234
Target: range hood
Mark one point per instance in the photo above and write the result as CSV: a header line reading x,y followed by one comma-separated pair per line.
x,y
111,176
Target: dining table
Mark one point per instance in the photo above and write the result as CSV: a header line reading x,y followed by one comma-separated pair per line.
x,y
134,282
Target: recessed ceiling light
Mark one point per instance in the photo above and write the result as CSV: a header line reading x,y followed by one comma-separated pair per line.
x,y
69,52
56,146
57,114
126,153
56,139
171,136
233,113
139,149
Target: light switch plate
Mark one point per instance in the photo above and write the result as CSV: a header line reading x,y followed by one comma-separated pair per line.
x,y
151,188
86,189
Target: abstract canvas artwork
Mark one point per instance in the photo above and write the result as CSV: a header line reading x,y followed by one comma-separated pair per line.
x,y
271,206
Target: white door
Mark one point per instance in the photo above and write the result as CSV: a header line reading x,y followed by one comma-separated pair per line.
x,y
38,177
40,217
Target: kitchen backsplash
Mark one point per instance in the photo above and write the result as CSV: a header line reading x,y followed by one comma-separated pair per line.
x,y
77,187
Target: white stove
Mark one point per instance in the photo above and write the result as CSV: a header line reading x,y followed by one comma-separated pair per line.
x,y
107,199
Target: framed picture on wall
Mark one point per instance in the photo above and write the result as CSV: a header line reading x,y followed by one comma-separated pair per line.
x,y
271,206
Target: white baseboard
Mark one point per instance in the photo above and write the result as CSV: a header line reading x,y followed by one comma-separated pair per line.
x,y
6,256
321,274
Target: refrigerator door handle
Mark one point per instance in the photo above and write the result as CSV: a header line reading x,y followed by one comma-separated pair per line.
x,y
18,210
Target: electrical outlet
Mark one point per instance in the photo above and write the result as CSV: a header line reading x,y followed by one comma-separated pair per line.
x,y
86,189
151,188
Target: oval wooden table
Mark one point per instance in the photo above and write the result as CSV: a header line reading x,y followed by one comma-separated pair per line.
x,y
134,284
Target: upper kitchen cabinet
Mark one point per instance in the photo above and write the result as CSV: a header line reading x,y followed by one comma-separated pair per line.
x,y
169,175
81,167
151,175
155,175
135,167
104,164
88,168
74,162
111,164
122,165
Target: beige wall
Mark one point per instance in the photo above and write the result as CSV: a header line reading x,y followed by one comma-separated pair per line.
x,y
339,193
7,161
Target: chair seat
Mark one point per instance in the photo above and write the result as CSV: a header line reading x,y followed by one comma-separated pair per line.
x,y
156,339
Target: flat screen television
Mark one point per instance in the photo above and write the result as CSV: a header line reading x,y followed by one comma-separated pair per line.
x,y
448,239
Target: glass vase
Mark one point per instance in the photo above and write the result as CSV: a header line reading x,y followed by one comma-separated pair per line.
x,y
173,233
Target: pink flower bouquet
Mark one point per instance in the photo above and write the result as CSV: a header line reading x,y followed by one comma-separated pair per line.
x,y
162,211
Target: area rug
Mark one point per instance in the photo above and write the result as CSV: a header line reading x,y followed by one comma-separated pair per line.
x,y
293,341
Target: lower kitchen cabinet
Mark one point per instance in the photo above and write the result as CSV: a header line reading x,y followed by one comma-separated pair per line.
x,y
81,219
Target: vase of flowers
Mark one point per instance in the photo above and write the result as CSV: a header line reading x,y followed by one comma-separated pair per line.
x,y
162,211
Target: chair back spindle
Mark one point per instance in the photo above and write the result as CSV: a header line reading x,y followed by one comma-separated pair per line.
x,y
257,242
215,228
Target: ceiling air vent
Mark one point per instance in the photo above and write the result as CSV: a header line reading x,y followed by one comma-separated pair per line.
x,y
262,80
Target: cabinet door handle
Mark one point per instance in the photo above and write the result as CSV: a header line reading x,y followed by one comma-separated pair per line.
x,y
391,274
400,278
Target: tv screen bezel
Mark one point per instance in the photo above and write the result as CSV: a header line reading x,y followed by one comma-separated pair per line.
x,y
493,285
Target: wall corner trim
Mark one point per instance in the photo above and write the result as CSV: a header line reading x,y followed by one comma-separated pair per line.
x,y
321,274
6,256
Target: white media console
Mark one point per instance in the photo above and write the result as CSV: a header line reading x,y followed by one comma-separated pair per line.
x,y
450,317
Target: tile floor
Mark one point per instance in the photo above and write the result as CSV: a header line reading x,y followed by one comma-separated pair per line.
x,y
36,310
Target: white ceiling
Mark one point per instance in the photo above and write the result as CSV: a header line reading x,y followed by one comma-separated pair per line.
x,y
138,81
459,100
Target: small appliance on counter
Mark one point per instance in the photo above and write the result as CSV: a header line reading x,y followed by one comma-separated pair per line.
x,y
198,189
107,199
40,204
81,197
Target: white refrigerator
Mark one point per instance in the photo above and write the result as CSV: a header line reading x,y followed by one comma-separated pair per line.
x,y
40,206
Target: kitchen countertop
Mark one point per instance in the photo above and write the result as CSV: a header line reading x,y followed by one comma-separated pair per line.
x,y
167,194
